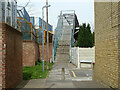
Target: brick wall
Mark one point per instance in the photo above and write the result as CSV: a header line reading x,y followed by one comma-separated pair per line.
x,y
45,51
30,53
0,55
37,52
11,57
119,44
51,51
107,43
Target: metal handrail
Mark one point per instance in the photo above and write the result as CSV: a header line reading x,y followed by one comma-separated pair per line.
x,y
59,29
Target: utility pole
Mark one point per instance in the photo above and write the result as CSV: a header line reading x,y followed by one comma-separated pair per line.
x,y
43,35
47,36
46,6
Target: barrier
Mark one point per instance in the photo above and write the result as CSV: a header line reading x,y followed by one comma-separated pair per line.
x,y
83,55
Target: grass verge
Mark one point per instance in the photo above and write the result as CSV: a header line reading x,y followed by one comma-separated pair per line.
x,y
36,72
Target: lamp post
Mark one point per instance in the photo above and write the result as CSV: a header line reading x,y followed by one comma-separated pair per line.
x,y
46,6
47,36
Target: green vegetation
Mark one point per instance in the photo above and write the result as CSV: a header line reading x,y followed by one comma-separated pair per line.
x,y
36,72
85,37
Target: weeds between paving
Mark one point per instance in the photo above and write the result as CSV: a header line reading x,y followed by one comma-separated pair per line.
x,y
36,72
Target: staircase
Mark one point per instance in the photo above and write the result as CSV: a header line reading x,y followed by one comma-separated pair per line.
x,y
63,50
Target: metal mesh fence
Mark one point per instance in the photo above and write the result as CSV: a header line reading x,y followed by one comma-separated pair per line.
x,y
57,35
29,32
31,26
40,32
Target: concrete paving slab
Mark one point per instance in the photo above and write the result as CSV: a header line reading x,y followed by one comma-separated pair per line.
x,y
35,83
55,79
88,84
60,84
84,72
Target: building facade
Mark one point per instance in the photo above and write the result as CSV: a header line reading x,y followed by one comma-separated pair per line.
x,y
107,43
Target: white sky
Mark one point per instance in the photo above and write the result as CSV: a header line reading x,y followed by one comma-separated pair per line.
x,y
84,9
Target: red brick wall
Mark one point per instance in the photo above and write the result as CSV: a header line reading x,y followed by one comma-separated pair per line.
x,y
30,53
0,55
51,51
45,51
37,52
11,57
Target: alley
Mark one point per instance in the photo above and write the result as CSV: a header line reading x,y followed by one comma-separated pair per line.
x,y
59,79
74,45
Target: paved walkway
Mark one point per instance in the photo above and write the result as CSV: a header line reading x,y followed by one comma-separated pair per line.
x,y
64,76
60,76
35,83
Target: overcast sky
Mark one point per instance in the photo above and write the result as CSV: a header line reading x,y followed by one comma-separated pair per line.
x,y
84,9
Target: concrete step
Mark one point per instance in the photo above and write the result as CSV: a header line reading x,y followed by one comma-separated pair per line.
x,y
62,58
66,49
62,52
64,43
66,35
66,38
63,47
62,55
62,61
67,27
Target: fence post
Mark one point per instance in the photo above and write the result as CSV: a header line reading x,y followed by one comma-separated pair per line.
x,y
31,32
20,26
78,58
37,35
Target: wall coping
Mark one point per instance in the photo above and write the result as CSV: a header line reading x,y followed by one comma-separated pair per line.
x,y
30,41
4,25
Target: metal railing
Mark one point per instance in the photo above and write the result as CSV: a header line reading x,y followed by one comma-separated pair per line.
x,y
69,16
57,35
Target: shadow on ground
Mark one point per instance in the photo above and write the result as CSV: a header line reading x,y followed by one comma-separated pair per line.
x,y
34,83
23,84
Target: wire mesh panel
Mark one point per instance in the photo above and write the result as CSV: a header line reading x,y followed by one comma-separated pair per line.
x,y
32,20
57,35
31,27
50,27
26,30
40,33
26,25
26,15
29,32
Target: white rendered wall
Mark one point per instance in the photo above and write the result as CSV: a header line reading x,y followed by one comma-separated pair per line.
x,y
82,54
